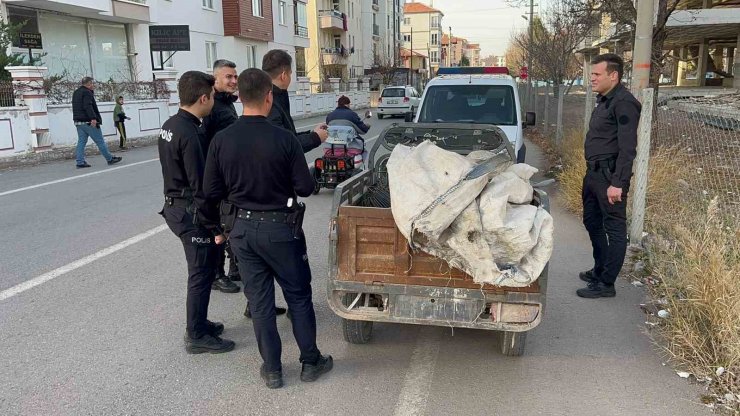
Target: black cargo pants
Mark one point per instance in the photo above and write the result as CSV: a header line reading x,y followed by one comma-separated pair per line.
x,y
267,251
606,224
201,253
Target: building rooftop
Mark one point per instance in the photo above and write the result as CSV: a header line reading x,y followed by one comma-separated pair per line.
x,y
409,8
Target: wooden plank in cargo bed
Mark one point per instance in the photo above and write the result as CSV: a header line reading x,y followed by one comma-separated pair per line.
x,y
370,249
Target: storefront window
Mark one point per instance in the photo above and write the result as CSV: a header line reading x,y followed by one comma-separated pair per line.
x,y
109,51
65,44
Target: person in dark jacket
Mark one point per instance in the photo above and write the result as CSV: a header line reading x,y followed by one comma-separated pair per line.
x,y
267,236
87,119
188,215
610,149
222,116
343,112
278,64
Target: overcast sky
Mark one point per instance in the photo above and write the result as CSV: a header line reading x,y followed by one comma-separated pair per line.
x,y
487,22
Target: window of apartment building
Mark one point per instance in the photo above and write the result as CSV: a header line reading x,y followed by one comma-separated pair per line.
x,y
335,4
281,12
166,56
300,16
407,38
257,8
207,4
211,54
407,21
435,21
435,38
337,41
251,57
434,57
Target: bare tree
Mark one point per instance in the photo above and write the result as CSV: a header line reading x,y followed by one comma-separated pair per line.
x,y
556,33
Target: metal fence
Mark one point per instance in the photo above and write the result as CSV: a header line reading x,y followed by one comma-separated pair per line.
x,y
7,98
60,92
706,130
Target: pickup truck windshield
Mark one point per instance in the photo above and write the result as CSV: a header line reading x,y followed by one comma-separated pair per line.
x,y
482,104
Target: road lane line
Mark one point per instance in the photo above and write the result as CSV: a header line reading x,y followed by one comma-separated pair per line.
x,y
415,391
29,284
71,178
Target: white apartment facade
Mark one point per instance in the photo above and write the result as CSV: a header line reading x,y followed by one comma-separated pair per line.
x,y
422,33
352,37
109,39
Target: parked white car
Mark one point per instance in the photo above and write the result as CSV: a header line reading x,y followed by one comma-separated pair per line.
x,y
398,101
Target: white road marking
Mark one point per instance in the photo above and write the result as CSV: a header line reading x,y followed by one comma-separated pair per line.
x,y
71,178
415,391
29,284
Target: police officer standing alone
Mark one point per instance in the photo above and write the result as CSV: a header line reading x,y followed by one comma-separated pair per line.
x,y
261,170
222,116
610,148
185,209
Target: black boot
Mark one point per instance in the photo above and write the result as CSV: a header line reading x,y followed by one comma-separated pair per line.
x,y
224,284
311,372
273,379
597,289
587,276
208,343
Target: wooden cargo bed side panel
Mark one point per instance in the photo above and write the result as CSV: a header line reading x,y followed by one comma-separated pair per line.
x,y
370,249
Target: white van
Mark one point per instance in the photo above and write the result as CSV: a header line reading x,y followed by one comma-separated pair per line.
x,y
476,95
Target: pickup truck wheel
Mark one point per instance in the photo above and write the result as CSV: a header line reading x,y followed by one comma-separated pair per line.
x,y
355,332
512,343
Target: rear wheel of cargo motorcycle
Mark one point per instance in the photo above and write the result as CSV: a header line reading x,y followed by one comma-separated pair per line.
x,y
355,332
512,343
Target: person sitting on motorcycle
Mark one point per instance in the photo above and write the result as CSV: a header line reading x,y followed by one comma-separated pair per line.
x,y
343,112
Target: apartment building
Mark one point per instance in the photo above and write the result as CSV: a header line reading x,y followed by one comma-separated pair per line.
x,y
422,33
353,37
472,52
109,39
453,49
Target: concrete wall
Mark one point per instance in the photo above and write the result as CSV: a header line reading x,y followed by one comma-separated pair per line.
x,y
146,119
15,131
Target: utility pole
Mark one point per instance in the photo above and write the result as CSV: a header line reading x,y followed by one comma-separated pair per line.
x,y
411,55
642,51
449,49
529,53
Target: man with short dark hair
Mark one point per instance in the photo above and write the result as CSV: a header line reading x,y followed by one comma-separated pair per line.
x,y
222,116
185,210
278,64
267,236
610,148
87,120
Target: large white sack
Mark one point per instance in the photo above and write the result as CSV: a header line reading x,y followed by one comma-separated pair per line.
x,y
487,229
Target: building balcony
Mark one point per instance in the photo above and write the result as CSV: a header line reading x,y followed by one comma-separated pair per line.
x,y
133,11
301,39
333,56
331,20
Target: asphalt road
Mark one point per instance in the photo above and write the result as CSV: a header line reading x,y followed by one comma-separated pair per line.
x,y
92,291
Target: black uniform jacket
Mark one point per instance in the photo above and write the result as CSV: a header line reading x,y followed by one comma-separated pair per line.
x,y
280,116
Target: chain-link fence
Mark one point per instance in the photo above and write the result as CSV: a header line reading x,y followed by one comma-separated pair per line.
x,y
706,132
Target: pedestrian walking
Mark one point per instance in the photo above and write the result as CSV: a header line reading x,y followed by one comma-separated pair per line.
x,y
610,148
266,224
119,118
186,212
87,120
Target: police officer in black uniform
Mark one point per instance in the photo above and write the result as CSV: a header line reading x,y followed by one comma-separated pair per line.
x,y
185,210
278,64
261,170
611,146
222,116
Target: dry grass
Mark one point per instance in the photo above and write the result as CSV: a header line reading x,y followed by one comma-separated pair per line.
x,y
695,258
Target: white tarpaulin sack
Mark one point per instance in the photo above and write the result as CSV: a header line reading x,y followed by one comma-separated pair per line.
x,y
483,224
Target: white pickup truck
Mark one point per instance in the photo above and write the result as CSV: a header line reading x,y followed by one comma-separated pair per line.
x,y
476,95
